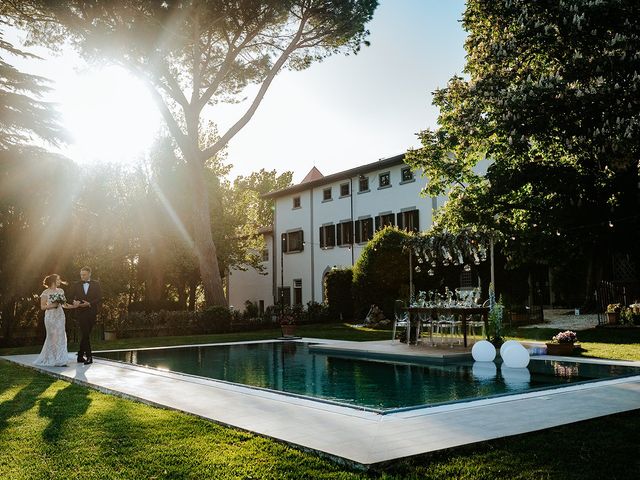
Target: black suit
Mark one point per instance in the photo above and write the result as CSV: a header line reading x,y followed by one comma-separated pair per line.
x,y
87,316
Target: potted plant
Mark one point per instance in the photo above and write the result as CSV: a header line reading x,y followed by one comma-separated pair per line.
x,y
287,322
613,313
562,344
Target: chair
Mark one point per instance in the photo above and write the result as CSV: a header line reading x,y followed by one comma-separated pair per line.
x,y
400,319
474,326
427,324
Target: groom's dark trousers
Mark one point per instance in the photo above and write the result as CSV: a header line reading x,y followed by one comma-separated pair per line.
x,y
87,316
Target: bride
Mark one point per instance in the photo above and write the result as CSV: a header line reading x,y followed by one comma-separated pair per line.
x,y
52,301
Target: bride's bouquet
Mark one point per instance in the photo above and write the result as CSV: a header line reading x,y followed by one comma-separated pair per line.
x,y
57,298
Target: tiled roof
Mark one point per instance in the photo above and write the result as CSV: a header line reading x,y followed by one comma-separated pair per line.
x,y
307,184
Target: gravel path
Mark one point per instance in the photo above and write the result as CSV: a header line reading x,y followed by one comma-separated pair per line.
x,y
566,319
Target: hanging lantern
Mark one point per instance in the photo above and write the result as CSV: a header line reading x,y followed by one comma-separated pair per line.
x,y
467,268
434,264
445,263
431,272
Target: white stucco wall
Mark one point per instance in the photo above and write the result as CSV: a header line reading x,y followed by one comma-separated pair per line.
x,y
314,212
251,285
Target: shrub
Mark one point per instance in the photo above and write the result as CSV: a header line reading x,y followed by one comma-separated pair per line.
x,y
216,319
251,310
155,306
338,287
316,313
381,273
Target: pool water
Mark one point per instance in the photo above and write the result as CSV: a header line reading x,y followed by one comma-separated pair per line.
x,y
291,368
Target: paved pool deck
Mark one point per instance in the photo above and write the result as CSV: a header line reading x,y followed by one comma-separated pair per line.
x,y
359,438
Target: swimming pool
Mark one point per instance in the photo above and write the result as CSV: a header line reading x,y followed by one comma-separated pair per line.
x,y
289,367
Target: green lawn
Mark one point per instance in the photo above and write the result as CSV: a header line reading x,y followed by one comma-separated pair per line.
x,y
613,343
53,429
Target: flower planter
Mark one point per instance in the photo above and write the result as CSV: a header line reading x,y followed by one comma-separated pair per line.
x,y
561,349
288,330
110,335
613,318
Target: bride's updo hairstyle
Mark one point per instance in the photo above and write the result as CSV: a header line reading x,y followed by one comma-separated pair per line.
x,y
50,280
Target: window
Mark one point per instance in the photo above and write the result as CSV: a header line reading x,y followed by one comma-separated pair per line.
x,y
296,202
344,233
409,220
364,230
292,241
327,236
406,174
363,184
466,279
384,180
326,194
265,254
385,220
297,291
284,295
344,190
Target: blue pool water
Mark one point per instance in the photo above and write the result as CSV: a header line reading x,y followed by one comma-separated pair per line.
x,y
291,368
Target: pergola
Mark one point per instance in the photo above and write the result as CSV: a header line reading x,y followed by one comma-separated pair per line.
x,y
443,247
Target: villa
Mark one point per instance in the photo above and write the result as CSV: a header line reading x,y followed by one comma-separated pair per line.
x,y
325,222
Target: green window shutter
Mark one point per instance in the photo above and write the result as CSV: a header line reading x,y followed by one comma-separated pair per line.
x,y
349,232
368,229
357,232
416,220
400,222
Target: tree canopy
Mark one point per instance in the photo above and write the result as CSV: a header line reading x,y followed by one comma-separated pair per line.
x,y
197,54
550,97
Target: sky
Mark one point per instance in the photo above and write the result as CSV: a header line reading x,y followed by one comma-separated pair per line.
x,y
343,112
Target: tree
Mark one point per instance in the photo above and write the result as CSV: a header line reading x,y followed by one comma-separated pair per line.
x,y
32,186
198,54
257,184
551,98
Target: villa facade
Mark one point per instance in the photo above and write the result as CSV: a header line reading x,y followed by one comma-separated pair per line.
x,y
325,222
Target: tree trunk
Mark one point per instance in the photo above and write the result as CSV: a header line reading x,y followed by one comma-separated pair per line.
x,y
154,279
193,285
182,294
591,278
203,239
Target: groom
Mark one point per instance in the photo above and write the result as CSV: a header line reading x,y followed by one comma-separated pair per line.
x,y
89,294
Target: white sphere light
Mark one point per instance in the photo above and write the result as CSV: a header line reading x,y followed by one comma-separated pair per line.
x,y
507,344
483,351
484,371
515,378
515,356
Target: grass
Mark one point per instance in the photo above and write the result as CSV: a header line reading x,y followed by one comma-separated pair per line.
x,y
55,430
52,429
341,331
611,343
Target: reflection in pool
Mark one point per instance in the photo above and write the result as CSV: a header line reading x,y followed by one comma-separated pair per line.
x,y
290,367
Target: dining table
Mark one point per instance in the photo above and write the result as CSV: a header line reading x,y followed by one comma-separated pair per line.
x,y
434,312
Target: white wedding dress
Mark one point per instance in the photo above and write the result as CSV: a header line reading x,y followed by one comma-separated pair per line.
x,y
54,351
